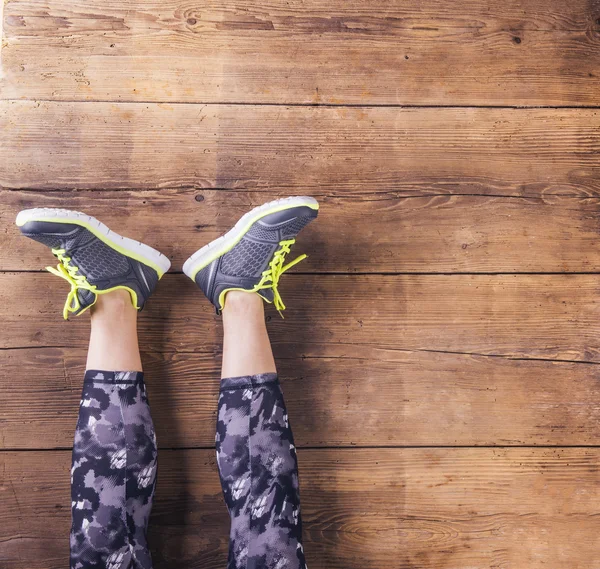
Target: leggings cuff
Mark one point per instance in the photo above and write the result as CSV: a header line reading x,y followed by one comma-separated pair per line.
x,y
115,377
248,381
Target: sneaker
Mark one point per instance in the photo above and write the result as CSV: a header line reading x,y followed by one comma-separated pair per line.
x,y
93,259
250,257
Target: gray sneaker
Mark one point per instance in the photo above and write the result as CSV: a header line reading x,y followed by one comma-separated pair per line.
x,y
92,258
251,256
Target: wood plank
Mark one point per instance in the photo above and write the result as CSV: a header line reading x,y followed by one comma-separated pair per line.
x,y
314,150
523,316
318,51
335,397
358,233
426,508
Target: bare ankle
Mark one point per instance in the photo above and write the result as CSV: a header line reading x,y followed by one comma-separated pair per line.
x,y
116,302
242,301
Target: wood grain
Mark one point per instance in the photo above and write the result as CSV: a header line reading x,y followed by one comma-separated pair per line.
x,y
522,316
399,508
435,136
358,233
342,52
313,150
335,397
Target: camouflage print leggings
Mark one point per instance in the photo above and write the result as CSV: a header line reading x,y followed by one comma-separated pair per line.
x,y
259,474
114,473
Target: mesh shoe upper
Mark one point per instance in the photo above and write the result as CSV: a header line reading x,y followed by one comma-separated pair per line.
x,y
102,266
242,267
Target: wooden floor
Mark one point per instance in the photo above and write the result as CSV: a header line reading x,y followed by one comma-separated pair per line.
x,y
441,351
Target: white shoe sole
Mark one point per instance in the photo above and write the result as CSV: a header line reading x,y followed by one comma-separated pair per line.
x,y
225,243
128,247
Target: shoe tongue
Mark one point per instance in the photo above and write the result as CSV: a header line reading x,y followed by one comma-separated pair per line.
x,y
86,298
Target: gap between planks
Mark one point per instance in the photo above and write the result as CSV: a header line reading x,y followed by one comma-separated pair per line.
x,y
474,354
342,447
327,105
387,274
366,197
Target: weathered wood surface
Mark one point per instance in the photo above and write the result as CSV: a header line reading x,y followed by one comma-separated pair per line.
x,y
137,97
398,508
314,150
476,52
529,316
336,396
358,233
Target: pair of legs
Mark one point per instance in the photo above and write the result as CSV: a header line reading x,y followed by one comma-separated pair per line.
x,y
246,345
115,455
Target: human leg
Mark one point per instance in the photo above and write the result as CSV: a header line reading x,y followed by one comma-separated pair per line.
x,y
114,453
256,453
246,345
255,447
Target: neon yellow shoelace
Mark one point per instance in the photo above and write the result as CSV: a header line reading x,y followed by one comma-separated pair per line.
x,y
270,277
70,273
